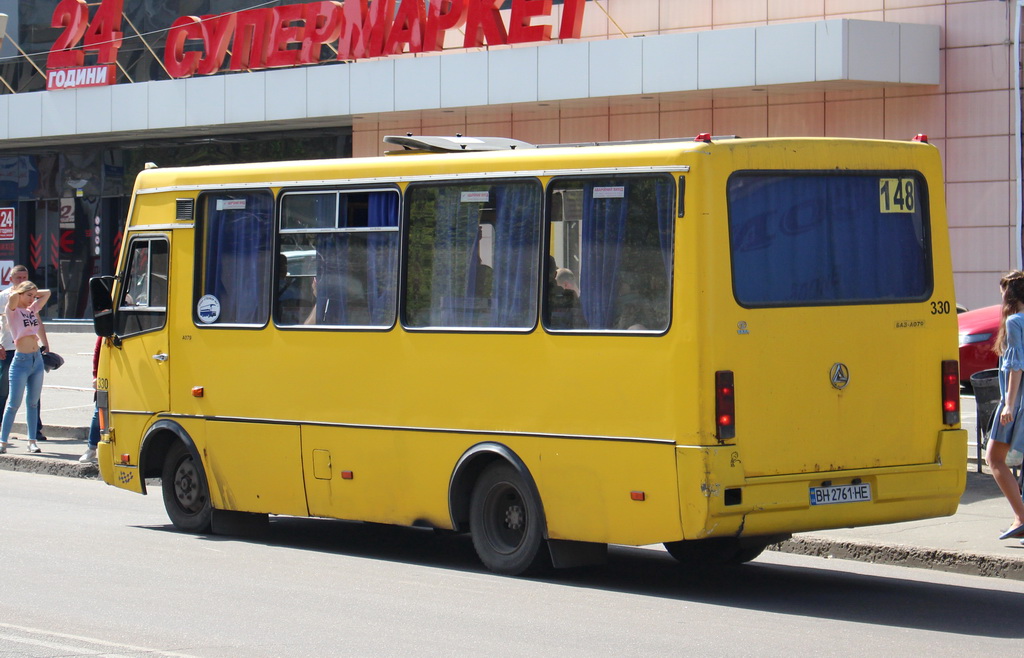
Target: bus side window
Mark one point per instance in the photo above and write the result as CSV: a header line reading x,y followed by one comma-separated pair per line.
x,y
473,254
236,256
611,249
143,303
338,259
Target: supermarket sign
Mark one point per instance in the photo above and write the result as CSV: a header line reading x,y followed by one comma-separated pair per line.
x,y
299,34
82,76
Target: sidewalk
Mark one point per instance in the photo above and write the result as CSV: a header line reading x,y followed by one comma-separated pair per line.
x,y
67,399
964,543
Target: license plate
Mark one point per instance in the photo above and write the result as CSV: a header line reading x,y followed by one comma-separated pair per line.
x,y
843,493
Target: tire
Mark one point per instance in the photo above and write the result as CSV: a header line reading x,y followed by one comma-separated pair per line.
x,y
186,497
747,553
697,553
719,551
505,521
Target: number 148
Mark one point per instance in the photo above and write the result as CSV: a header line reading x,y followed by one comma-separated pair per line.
x,y
896,195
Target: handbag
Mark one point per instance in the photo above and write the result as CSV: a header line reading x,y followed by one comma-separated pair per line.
x,y
52,361
1014,458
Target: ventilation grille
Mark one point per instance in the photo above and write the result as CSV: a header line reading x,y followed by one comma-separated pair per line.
x,y
184,209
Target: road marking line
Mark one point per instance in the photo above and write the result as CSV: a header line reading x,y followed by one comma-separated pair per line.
x,y
39,643
78,638
57,387
77,406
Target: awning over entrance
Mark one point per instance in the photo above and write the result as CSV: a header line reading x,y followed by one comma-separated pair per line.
x,y
840,54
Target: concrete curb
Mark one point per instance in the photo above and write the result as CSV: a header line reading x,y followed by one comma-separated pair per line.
x,y
48,466
70,326
54,431
963,562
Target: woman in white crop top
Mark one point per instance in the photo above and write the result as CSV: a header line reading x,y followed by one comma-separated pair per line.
x,y
26,373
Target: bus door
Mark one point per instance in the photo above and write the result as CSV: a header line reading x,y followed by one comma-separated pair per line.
x,y
139,362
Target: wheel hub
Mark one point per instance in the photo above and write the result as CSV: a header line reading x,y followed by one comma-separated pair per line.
x,y
185,485
514,517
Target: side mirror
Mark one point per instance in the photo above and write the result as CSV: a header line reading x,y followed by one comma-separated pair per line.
x,y
100,288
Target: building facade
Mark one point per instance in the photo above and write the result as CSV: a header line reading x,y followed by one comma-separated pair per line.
x,y
123,82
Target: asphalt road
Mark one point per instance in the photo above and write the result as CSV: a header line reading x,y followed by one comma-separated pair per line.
x,y
87,569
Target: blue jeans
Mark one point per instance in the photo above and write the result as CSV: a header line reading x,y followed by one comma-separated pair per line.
x,y
94,429
4,386
26,374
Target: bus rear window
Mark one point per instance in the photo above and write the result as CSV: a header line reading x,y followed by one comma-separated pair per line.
x,y
806,239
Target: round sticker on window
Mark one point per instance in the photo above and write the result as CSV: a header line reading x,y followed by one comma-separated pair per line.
x,y
208,309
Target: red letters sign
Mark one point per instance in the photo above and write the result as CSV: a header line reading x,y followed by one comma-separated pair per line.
x,y
64,66
294,34
6,223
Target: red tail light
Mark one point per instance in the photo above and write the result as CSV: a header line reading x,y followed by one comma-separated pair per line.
x,y
950,393
725,406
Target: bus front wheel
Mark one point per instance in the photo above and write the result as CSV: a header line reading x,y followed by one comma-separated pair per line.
x,y
505,522
186,497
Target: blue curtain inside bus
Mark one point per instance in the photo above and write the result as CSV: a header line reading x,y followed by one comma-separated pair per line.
x,y
604,233
516,236
355,272
332,274
625,230
239,235
823,239
664,194
456,255
483,255
382,258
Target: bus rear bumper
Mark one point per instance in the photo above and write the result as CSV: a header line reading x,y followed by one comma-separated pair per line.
x,y
776,504
123,476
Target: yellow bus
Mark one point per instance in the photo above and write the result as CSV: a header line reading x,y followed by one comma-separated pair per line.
x,y
709,343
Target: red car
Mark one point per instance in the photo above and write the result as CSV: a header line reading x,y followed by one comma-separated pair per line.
x,y
978,329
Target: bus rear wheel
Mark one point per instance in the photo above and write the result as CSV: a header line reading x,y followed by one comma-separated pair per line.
x,y
748,553
716,551
186,497
505,522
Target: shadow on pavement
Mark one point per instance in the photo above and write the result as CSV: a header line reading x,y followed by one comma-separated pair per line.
x,y
825,592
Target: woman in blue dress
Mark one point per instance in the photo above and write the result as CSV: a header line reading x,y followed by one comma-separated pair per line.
x,y
1007,431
